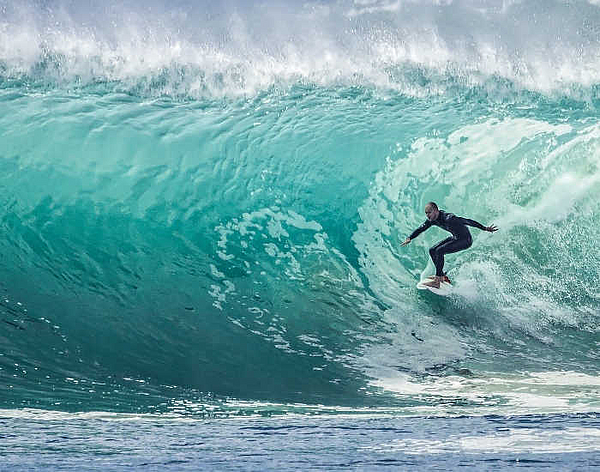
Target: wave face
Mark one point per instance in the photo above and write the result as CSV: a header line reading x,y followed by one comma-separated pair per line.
x,y
207,201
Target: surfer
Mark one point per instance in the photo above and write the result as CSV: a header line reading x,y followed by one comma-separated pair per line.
x,y
460,240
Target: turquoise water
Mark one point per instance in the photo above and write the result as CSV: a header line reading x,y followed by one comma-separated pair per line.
x,y
202,211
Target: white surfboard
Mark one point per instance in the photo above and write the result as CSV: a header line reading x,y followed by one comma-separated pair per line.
x,y
444,290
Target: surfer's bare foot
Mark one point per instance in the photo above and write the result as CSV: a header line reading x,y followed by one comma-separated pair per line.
x,y
435,282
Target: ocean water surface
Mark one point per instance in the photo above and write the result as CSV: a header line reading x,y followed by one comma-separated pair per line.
x,y
201,215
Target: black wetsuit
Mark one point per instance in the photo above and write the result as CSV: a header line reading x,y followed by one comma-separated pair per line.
x,y
460,239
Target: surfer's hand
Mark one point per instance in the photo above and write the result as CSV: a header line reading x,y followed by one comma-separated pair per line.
x,y
492,228
406,241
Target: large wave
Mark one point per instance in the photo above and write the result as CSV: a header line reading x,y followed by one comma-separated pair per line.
x,y
192,200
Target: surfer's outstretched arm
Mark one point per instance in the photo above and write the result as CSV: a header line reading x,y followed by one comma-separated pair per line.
x,y
476,224
416,232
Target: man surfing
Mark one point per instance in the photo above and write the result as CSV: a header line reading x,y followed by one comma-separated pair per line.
x,y
460,240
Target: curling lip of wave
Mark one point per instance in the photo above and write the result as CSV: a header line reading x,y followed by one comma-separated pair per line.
x,y
413,48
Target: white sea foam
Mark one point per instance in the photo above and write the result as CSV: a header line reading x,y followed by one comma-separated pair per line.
x,y
510,440
238,47
496,393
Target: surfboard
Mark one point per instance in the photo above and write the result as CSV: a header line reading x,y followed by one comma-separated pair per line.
x,y
444,290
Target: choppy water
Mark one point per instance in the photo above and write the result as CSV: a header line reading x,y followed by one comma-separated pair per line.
x,y
202,207
58,441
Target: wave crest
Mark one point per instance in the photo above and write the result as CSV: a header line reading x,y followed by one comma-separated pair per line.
x,y
232,49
